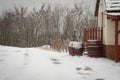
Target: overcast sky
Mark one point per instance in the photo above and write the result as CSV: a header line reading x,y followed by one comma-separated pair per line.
x,y
8,4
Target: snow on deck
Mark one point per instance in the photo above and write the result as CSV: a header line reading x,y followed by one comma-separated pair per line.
x,y
38,64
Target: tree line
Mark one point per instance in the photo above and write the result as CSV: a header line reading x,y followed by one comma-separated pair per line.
x,y
45,26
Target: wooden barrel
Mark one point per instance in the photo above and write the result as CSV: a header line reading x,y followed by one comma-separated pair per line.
x,y
95,48
75,48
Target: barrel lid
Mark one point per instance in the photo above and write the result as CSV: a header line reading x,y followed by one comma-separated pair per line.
x,y
94,41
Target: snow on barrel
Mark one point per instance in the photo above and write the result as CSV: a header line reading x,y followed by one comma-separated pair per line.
x,y
75,48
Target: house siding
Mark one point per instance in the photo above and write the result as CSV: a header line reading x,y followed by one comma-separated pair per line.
x,y
108,31
107,24
100,13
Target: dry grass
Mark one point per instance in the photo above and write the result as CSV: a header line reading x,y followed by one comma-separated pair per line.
x,y
60,45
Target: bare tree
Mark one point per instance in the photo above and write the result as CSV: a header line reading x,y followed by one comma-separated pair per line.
x,y
46,26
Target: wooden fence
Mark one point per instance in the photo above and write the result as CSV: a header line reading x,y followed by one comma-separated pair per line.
x,y
93,33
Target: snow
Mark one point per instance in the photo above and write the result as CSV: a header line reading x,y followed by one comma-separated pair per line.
x,y
112,4
75,44
113,14
39,64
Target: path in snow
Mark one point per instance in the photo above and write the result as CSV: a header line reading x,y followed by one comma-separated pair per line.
x,y
39,64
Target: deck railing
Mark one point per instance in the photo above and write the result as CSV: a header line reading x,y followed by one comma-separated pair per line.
x,y
93,33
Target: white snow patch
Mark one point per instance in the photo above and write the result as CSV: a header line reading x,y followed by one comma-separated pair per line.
x,y
113,14
46,46
75,44
112,4
39,64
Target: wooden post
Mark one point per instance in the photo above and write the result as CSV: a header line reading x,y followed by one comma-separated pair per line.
x,y
93,33
87,34
85,37
88,30
102,34
96,33
90,33
116,42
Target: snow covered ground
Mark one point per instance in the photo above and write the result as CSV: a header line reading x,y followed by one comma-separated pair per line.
x,y
39,64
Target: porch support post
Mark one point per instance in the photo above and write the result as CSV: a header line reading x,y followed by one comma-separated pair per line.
x,y
116,42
